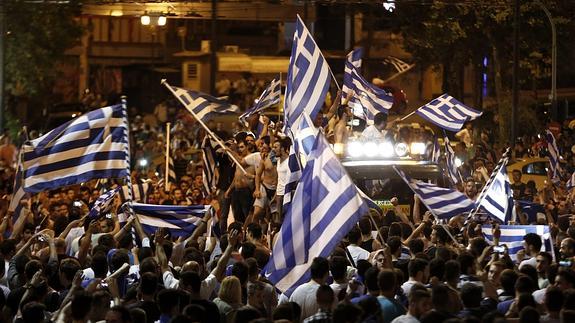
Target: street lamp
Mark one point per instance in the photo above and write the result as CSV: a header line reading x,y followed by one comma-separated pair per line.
x,y
553,95
154,19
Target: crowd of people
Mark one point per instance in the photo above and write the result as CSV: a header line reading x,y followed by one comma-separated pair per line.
x,y
394,267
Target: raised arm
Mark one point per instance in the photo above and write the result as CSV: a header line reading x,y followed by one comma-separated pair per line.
x,y
223,261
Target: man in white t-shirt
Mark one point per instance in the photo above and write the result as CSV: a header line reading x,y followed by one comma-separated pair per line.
x,y
356,252
375,131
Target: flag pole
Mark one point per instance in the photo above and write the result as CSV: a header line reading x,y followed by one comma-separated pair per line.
x,y
409,115
210,132
398,74
167,172
128,157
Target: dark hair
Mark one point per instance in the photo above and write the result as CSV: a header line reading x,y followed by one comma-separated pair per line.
x,y
255,230
532,239
416,245
508,278
192,279
525,284
529,314
370,279
452,270
124,313
467,261
69,267
568,275
7,247
240,270
149,283
119,258
379,118
247,314
354,235
248,250
148,265
441,234
346,312
364,225
32,267
290,311
530,272
319,268
553,299
285,143
81,304
33,312
324,295
387,280
471,295
338,267
525,299
195,313
167,299
394,244
437,268
416,265
99,265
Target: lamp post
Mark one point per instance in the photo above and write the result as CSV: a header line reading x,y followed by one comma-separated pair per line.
x,y
553,95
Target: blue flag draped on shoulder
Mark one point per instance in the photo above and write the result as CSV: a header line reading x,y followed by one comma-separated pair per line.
x,y
178,220
452,169
444,203
88,147
325,206
448,113
512,236
269,97
104,203
203,105
308,77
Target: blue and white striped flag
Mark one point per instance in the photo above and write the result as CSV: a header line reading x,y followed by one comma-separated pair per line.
x,y
294,173
326,205
88,147
452,169
269,97
497,195
203,105
209,159
436,152
178,220
553,157
353,62
171,171
373,99
305,135
308,77
512,236
447,113
444,203
103,203
139,192
18,195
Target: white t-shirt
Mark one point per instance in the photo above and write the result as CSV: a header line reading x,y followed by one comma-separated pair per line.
x,y
283,172
357,253
209,284
371,133
304,296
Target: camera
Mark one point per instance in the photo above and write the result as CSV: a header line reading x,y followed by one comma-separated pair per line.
x,y
77,204
565,263
499,249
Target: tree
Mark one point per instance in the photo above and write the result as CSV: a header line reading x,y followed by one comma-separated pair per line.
x,y
453,35
37,36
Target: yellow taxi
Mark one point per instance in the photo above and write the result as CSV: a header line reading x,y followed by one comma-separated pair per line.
x,y
533,169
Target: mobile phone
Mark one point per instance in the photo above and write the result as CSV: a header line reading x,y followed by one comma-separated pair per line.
x,y
77,204
499,249
565,263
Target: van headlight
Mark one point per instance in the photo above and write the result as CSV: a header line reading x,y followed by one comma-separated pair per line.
x,y
386,149
370,149
417,148
355,149
401,149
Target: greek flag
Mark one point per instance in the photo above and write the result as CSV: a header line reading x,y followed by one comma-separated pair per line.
x,y
308,77
103,204
171,170
270,97
497,197
353,62
180,221
553,157
139,192
306,135
444,203
448,113
209,160
294,174
436,152
326,205
512,236
88,147
373,99
204,106
452,169
18,195
399,65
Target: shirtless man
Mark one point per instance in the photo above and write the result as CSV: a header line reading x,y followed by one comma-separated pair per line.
x,y
240,190
266,182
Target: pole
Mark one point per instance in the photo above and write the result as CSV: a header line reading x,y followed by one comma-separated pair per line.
x,y
210,133
167,174
213,48
553,96
515,72
2,41
398,74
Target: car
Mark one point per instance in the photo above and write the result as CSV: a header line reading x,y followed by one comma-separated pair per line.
x,y
533,169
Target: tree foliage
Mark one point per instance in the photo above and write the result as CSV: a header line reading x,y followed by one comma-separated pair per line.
x,y
37,36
